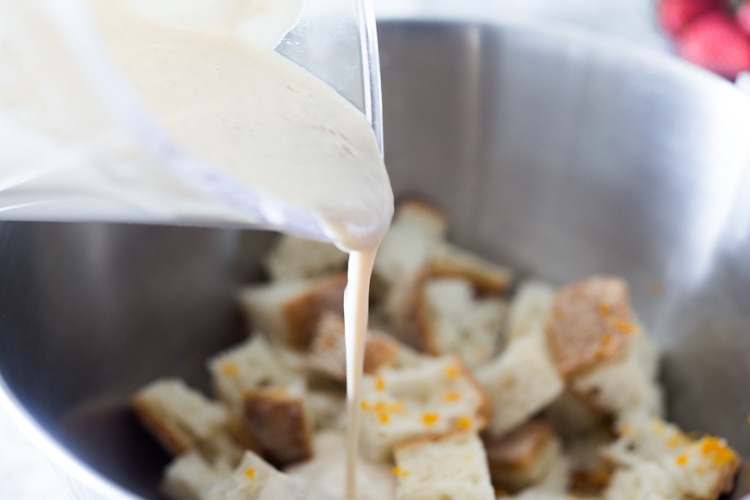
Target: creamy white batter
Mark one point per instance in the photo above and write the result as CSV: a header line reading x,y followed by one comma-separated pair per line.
x,y
259,118
268,124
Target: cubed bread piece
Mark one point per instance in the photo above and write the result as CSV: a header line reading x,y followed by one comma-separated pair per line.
x,y
288,312
573,416
328,350
327,408
529,309
436,397
656,458
590,322
328,469
452,467
293,259
456,321
553,485
440,316
621,385
250,365
415,229
178,416
520,382
255,479
406,310
446,260
523,456
280,423
190,477
590,470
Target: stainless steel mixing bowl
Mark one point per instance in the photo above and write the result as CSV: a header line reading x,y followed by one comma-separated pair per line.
x,y
559,154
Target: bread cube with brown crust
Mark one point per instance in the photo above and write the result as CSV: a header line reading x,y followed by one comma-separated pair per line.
x,y
441,316
288,312
279,421
445,260
590,322
327,353
523,456
179,417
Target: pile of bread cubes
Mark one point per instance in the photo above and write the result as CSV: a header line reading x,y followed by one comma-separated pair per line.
x,y
470,392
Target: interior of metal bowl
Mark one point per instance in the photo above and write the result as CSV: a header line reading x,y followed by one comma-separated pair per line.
x,y
555,153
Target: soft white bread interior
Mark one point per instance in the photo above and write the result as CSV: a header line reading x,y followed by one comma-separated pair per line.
x,y
250,365
416,227
295,259
436,397
657,460
520,382
451,467
255,479
190,477
457,321
529,308
287,312
178,416
622,384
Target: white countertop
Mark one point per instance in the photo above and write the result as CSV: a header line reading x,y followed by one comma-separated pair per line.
x,y
27,474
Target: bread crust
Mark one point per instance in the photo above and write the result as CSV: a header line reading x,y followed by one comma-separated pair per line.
x,y
171,437
328,349
301,313
279,425
591,322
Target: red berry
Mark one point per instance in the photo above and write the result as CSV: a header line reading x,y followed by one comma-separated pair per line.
x,y
715,42
674,15
742,15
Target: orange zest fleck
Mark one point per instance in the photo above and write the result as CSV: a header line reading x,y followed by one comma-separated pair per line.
x,y
429,419
364,405
715,449
379,383
384,417
604,308
624,326
675,441
451,372
451,396
250,472
464,422
682,460
229,369
399,472
382,406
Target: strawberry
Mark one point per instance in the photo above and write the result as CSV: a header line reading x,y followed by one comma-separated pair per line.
x,y
742,16
674,15
715,42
